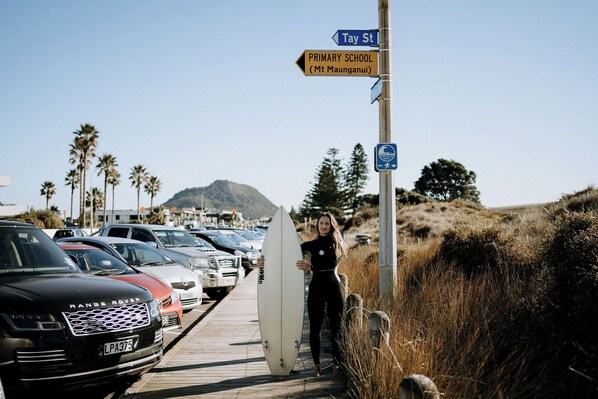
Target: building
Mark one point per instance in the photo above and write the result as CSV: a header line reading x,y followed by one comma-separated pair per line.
x,y
120,216
9,210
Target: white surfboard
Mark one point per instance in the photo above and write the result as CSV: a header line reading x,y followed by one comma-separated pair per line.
x,y
280,295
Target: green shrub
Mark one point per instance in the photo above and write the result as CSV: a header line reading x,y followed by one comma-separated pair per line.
x,y
41,219
474,250
581,201
571,261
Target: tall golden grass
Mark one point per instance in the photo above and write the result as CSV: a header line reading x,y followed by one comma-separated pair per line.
x,y
477,309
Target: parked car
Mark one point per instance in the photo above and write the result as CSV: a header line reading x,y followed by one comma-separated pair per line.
x,y
238,238
94,261
152,261
363,239
71,232
218,274
255,239
220,241
61,328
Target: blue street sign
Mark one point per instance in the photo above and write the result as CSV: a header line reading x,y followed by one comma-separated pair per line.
x,y
344,37
386,157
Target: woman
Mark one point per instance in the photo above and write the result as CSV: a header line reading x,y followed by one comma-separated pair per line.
x,y
325,291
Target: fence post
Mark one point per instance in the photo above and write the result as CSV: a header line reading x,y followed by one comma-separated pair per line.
x,y
378,328
354,316
418,386
344,283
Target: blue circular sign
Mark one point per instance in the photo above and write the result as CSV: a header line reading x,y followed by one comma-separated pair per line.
x,y
386,153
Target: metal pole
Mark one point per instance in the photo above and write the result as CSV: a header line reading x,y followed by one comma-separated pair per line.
x,y
388,232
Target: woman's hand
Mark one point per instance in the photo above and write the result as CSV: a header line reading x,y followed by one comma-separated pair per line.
x,y
301,265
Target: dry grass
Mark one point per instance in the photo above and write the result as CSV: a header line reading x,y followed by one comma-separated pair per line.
x,y
476,306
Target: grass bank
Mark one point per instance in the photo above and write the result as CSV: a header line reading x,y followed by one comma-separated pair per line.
x,y
487,305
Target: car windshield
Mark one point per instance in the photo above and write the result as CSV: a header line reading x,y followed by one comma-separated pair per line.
x,y
223,240
248,235
176,238
97,262
237,239
204,243
140,254
28,250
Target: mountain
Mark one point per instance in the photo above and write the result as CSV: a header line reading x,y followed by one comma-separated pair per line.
x,y
225,195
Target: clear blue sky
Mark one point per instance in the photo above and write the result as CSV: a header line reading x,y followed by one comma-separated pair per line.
x,y
198,91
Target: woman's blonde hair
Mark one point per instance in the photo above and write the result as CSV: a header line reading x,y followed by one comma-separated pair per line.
x,y
340,246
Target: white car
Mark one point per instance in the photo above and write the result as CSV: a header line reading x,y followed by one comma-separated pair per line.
x,y
152,261
241,240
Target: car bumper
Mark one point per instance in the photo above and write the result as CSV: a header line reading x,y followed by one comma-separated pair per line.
x,y
40,363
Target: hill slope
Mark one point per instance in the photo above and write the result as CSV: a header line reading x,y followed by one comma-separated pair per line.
x,y
225,195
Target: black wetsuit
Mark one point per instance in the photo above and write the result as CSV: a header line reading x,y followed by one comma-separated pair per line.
x,y
325,293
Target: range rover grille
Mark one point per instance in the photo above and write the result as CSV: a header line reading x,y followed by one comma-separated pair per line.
x,y
25,356
102,320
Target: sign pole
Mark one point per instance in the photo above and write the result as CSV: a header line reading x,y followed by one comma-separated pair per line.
x,y
388,212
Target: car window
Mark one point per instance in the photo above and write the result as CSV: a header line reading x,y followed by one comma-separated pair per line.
x,y
236,238
223,240
176,238
99,262
142,235
26,250
140,254
121,232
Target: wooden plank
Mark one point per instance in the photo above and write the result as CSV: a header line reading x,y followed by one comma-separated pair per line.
x,y
222,357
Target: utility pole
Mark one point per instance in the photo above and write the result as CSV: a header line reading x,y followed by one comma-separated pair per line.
x,y
388,212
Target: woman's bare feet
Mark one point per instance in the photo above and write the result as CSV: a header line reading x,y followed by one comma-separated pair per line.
x,y
317,371
335,369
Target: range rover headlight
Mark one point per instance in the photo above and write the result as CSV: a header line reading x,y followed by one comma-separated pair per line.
x,y
153,309
33,321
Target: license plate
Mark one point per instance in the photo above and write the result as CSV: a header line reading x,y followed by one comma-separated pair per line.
x,y
122,346
186,295
229,280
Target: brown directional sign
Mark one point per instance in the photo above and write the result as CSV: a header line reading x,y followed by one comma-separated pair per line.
x,y
338,63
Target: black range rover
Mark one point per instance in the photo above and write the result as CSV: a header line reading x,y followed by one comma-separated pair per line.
x,y
62,328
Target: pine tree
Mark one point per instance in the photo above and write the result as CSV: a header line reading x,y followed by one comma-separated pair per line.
x,y
327,194
356,177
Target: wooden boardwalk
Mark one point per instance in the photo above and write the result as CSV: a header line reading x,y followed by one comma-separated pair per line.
x,y
222,357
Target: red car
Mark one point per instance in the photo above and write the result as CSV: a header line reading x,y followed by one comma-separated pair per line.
x,y
96,262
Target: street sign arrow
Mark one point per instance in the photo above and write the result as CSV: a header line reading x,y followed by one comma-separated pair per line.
x,y
346,37
301,62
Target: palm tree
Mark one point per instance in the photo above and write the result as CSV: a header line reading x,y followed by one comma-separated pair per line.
x,y
94,201
113,180
82,152
152,187
72,179
138,176
106,165
48,190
